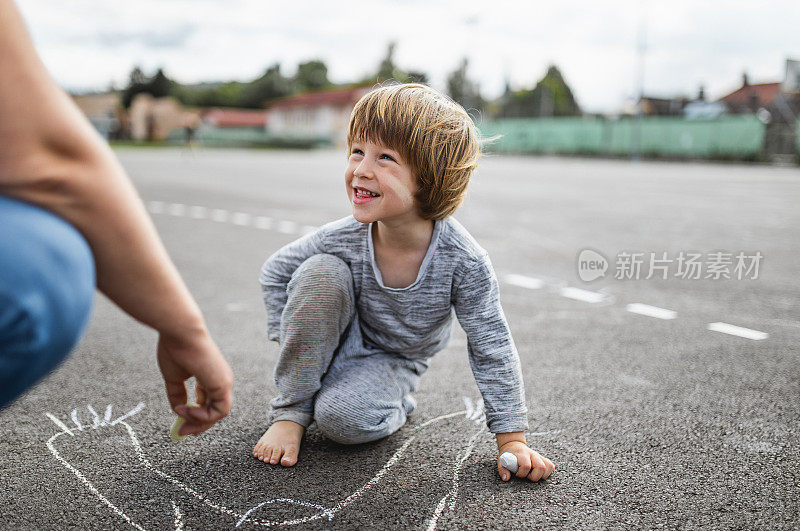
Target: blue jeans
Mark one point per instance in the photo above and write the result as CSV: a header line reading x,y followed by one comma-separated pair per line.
x,y
47,283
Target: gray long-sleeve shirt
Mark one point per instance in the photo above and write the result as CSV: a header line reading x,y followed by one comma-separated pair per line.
x,y
416,321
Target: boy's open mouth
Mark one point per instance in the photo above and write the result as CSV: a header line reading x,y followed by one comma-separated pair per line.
x,y
363,193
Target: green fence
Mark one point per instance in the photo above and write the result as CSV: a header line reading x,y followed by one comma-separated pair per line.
x,y
243,136
798,135
727,136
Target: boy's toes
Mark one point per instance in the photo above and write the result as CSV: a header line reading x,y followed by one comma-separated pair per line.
x,y
275,456
260,447
261,451
290,457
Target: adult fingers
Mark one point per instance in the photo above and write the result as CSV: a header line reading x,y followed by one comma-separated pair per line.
x,y
176,393
211,408
215,388
200,395
194,428
217,399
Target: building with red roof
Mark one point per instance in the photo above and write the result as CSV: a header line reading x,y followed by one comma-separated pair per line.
x,y
319,116
749,98
235,118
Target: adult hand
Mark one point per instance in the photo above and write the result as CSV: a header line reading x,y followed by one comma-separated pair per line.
x,y
196,354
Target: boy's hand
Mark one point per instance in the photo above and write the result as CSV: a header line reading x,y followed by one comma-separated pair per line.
x,y
531,464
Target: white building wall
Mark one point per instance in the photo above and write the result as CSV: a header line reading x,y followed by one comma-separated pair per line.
x,y
324,121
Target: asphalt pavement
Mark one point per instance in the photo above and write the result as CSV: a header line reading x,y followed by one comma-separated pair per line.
x,y
664,403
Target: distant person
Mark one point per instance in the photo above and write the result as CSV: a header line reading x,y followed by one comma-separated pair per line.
x,y
68,212
359,306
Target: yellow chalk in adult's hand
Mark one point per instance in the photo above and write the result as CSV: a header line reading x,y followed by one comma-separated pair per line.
x,y
180,421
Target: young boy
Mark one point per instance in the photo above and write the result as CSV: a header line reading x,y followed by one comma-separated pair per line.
x,y
359,306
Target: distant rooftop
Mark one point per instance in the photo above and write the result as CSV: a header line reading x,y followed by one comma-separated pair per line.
x,y
342,96
762,95
236,117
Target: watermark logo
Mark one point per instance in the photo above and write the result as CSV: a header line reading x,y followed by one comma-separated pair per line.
x,y
591,265
686,265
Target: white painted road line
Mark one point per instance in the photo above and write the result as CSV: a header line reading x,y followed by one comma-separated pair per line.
x,y
733,330
581,295
523,281
240,218
177,209
219,215
287,227
197,212
263,223
651,311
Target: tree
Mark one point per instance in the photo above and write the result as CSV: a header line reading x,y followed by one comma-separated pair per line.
x,y
311,75
462,90
229,94
388,70
136,84
158,86
416,77
550,97
271,85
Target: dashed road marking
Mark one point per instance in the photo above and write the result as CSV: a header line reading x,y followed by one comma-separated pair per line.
x,y
197,212
235,307
523,281
291,227
219,215
581,294
733,330
651,311
240,218
263,223
287,227
177,209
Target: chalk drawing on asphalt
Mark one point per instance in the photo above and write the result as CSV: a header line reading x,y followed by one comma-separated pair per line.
x,y
473,413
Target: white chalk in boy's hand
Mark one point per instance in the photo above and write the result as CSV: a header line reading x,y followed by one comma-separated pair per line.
x,y
509,462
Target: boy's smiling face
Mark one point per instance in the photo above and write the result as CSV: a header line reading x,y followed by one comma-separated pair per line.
x,y
378,169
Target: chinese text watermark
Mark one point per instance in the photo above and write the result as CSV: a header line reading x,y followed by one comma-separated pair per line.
x,y
686,265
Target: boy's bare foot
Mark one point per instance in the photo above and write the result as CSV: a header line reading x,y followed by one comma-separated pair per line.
x,y
281,439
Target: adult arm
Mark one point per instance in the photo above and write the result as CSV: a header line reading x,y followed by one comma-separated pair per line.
x,y
52,157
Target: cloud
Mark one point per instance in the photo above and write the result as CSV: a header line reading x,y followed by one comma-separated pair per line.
x,y
593,43
169,38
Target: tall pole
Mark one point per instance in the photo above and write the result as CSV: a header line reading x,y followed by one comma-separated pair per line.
x,y
641,49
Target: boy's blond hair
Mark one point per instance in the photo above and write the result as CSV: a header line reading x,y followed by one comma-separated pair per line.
x,y
432,133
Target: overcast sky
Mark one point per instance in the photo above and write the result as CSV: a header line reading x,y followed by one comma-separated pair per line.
x,y
87,44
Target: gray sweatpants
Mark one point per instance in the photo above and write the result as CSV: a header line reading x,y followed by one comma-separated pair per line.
x,y
356,393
